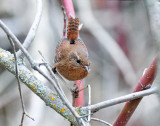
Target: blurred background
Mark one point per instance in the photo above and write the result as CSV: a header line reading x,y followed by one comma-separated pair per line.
x,y
117,63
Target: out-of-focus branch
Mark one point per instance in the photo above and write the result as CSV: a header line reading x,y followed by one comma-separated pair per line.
x,y
46,94
106,41
69,8
153,9
144,83
32,32
153,13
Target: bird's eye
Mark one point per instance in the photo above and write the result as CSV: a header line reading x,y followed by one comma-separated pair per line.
x,y
72,42
78,61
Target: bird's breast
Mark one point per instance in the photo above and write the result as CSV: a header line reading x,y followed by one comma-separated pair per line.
x,y
71,72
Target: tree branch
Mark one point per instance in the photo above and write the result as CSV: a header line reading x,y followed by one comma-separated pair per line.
x,y
51,98
125,98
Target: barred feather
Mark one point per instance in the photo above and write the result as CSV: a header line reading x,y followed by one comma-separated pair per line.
x,y
72,28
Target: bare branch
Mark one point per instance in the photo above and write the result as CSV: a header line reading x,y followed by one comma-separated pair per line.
x,y
132,96
19,85
32,32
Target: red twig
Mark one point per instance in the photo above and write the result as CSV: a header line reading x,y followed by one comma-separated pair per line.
x,y
129,108
79,99
69,10
68,6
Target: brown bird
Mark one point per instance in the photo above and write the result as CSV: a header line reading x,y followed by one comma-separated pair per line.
x,y
71,59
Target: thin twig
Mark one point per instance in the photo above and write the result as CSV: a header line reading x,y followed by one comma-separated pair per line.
x,y
101,121
19,85
51,73
32,32
36,67
89,102
111,102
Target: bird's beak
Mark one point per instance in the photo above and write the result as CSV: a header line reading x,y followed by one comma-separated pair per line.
x,y
86,68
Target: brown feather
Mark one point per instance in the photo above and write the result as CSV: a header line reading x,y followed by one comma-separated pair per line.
x,y
72,28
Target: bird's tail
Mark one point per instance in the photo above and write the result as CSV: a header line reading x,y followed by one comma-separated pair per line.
x,y
73,28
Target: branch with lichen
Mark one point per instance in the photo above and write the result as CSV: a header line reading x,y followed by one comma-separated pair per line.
x,y
30,80
35,66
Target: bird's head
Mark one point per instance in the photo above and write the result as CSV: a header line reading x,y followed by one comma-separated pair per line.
x,y
80,60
